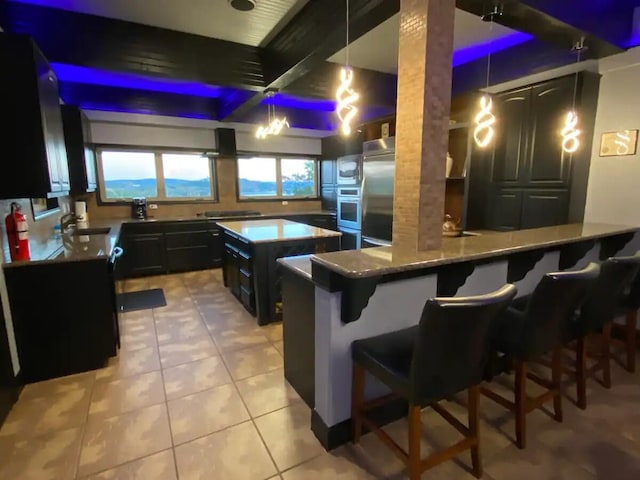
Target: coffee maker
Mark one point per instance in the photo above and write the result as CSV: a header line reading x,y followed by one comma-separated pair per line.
x,y
139,208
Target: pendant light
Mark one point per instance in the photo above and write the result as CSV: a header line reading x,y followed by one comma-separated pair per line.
x,y
570,133
346,95
484,120
274,124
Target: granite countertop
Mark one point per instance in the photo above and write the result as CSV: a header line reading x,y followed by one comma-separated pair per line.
x,y
275,230
300,264
376,261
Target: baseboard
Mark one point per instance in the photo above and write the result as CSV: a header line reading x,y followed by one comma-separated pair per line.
x,y
339,434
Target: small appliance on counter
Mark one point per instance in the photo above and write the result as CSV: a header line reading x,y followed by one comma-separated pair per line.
x,y
139,208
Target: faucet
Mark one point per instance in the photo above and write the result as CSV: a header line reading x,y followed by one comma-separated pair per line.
x,y
67,220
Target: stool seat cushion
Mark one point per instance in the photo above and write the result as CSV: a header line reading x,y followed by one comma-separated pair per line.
x,y
388,357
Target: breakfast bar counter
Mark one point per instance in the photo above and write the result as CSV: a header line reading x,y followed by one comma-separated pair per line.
x,y
251,250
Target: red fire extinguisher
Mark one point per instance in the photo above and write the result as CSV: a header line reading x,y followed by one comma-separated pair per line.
x,y
17,233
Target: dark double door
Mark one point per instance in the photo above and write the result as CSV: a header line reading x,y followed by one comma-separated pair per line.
x,y
530,174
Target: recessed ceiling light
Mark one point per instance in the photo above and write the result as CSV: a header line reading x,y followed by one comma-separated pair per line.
x,y
243,5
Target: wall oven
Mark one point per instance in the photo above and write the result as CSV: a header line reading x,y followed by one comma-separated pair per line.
x,y
350,240
349,170
349,211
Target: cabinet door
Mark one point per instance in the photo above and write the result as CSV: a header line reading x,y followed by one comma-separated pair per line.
x,y
89,155
215,248
547,164
146,254
505,210
511,111
329,197
49,102
328,172
232,270
544,208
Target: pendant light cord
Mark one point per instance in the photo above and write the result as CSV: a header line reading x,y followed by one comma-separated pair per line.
x,y
347,45
575,82
489,56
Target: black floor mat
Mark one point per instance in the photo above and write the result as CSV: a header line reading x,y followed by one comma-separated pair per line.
x,y
141,300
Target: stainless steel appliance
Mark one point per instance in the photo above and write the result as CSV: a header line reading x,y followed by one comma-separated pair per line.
x,y
349,207
349,169
139,208
351,238
378,171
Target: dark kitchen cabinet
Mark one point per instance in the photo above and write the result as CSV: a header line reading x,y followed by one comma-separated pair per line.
x,y
80,152
9,385
231,269
510,149
515,209
329,197
32,135
145,254
506,210
328,172
192,246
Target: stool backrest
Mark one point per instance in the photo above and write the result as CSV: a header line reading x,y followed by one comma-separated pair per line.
x,y
616,274
552,307
454,342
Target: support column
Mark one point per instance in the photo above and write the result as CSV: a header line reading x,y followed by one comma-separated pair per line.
x,y
422,128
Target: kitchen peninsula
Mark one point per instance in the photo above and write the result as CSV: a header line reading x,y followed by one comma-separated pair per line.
x,y
363,293
251,251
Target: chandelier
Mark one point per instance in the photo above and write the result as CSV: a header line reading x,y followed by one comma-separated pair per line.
x,y
346,95
274,125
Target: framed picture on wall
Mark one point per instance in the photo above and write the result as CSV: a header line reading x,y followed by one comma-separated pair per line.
x,y
618,144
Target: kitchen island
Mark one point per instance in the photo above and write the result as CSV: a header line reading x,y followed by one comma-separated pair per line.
x,y
363,293
251,251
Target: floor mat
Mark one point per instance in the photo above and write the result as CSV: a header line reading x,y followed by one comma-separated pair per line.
x,y
141,300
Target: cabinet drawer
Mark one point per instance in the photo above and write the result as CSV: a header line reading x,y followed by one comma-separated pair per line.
x,y
246,297
245,279
244,260
187,239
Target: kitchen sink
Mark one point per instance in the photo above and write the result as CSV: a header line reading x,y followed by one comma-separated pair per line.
x,y
91,231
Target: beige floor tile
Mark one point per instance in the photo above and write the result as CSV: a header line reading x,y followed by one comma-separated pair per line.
x,y
190,350
135,284
117,440
238,338
53,456
127,364
288,435
339,464
171,332
252,361
127,394
273,331
267,392
195,377
138,334
138,318
55,386
239,454
279,346
36,416
160,466
205,412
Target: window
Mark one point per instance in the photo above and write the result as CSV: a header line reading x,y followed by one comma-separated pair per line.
x,y
271,177
156,175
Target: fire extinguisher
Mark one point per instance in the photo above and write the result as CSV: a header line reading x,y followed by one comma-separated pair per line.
x,y
17,233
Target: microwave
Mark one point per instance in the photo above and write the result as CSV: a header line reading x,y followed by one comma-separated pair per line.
x,y
349,170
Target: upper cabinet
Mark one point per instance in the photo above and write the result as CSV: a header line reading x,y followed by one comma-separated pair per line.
x,y
80,152
35,157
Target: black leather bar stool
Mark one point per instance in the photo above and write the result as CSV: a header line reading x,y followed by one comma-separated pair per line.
x,y
630,304
532,327
596,318
445,353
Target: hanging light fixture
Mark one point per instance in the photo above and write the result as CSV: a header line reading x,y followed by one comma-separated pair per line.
x,y
346,95
274,124
485,120
570,133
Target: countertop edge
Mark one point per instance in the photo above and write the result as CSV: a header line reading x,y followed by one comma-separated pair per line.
x,y
293,264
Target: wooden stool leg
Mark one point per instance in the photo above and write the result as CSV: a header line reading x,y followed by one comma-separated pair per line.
x,y
606,355
474,429
414,442
357,399
521,403
556,378
630,339
581,372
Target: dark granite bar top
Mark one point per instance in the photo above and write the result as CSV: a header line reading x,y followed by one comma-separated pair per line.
x,y
378,261
300,264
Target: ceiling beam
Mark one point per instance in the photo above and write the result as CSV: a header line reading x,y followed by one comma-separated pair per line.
x,y
316,33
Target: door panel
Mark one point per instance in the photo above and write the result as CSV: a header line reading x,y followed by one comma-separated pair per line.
x,y
544,208
511,111
505,208
547,163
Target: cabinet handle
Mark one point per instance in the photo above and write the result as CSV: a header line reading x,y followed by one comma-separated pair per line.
x,y
117,252
215,234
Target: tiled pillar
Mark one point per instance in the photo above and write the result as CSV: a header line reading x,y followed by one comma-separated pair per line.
x,y
424,100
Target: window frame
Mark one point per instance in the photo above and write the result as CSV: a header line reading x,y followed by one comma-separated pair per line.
x,y
158,152
279,196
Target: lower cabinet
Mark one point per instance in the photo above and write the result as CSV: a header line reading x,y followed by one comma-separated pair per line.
x,y
515,209
145,254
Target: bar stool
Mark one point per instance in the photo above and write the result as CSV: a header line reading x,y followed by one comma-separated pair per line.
x,y
532,327
596,317
630,303
444,354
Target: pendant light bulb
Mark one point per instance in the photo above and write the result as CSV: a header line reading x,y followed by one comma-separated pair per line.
x,y
570,134
346,97
484,120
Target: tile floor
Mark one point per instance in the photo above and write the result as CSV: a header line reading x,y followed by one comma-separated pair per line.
x,y
198,393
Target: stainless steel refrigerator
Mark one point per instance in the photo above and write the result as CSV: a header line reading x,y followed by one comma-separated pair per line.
x,y
378,169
